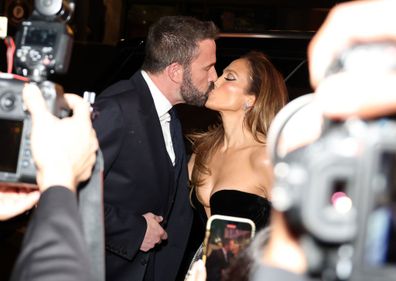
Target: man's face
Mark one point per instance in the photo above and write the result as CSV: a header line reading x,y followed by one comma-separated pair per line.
x,y
232,88
198,79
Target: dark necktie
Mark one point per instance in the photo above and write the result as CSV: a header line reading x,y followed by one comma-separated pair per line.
x,y
178,148
176,134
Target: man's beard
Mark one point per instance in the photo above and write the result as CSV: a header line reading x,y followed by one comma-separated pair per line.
x,y
190,93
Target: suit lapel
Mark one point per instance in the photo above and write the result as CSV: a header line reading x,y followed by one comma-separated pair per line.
x,y
151,124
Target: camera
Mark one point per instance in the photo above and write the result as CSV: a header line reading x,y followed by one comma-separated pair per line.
x,y
44,42
338,193
16,164
43,47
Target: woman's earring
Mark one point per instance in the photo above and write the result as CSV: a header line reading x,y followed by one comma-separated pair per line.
x,y
246,106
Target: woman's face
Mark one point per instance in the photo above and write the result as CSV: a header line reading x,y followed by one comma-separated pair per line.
x,y
230,91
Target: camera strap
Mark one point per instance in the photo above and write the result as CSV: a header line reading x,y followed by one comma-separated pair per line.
x,y
91,210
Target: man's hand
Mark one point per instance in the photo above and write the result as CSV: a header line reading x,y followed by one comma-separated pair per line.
x,y
154,232
64,150
15,201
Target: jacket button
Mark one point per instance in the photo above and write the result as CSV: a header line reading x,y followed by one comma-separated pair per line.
x,y
143,261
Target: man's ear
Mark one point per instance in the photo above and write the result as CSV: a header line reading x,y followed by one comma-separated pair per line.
x,y
175,72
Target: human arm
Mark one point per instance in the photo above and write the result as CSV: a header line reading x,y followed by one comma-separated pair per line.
x,y
54,247
64,152
17,198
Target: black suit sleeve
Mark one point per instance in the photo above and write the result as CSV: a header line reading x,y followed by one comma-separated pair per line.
x,y
124,229
109,126
54,247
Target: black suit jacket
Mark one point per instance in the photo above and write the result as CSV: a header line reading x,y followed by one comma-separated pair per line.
x,y
139,178
54,247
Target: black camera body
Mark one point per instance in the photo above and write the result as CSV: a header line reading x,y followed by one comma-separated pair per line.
x,y
335,191
43,47
16,164
338,193
375,193
306,180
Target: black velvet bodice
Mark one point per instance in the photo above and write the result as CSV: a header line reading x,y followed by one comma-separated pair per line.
x,y
236,203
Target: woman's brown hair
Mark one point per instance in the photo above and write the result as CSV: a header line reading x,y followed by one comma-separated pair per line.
x,y
269,88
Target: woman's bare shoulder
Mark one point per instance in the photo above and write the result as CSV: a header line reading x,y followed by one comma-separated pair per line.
x,y
259,156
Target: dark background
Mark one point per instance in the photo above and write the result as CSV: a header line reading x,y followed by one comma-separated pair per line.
x,y
108,33
109,40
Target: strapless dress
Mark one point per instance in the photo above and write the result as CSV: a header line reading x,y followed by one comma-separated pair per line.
x,y
236,203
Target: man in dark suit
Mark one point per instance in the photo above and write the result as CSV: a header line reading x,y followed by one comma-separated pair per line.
x,y
147,211
219,260
64,153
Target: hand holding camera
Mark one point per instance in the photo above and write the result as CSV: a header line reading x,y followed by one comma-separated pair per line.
x,y
44,44
331,189
63,149
58,147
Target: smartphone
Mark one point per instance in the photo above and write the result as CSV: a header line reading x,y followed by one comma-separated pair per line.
x,y
225,238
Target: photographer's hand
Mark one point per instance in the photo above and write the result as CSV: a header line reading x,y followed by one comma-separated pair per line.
x,y
350,93
15,201
64,150
338,96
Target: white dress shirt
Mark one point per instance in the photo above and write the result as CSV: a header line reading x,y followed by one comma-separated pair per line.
x,y
162,105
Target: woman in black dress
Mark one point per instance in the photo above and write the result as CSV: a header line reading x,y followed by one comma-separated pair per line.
x,y
230,171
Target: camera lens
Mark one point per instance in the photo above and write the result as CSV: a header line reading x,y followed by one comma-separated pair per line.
x,y
7,101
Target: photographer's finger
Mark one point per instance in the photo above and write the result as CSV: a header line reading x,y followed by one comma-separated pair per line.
x,y
86,170
319,53
89,163
16,203
94,144
81,108
91,157
345,95
33,100
372,22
